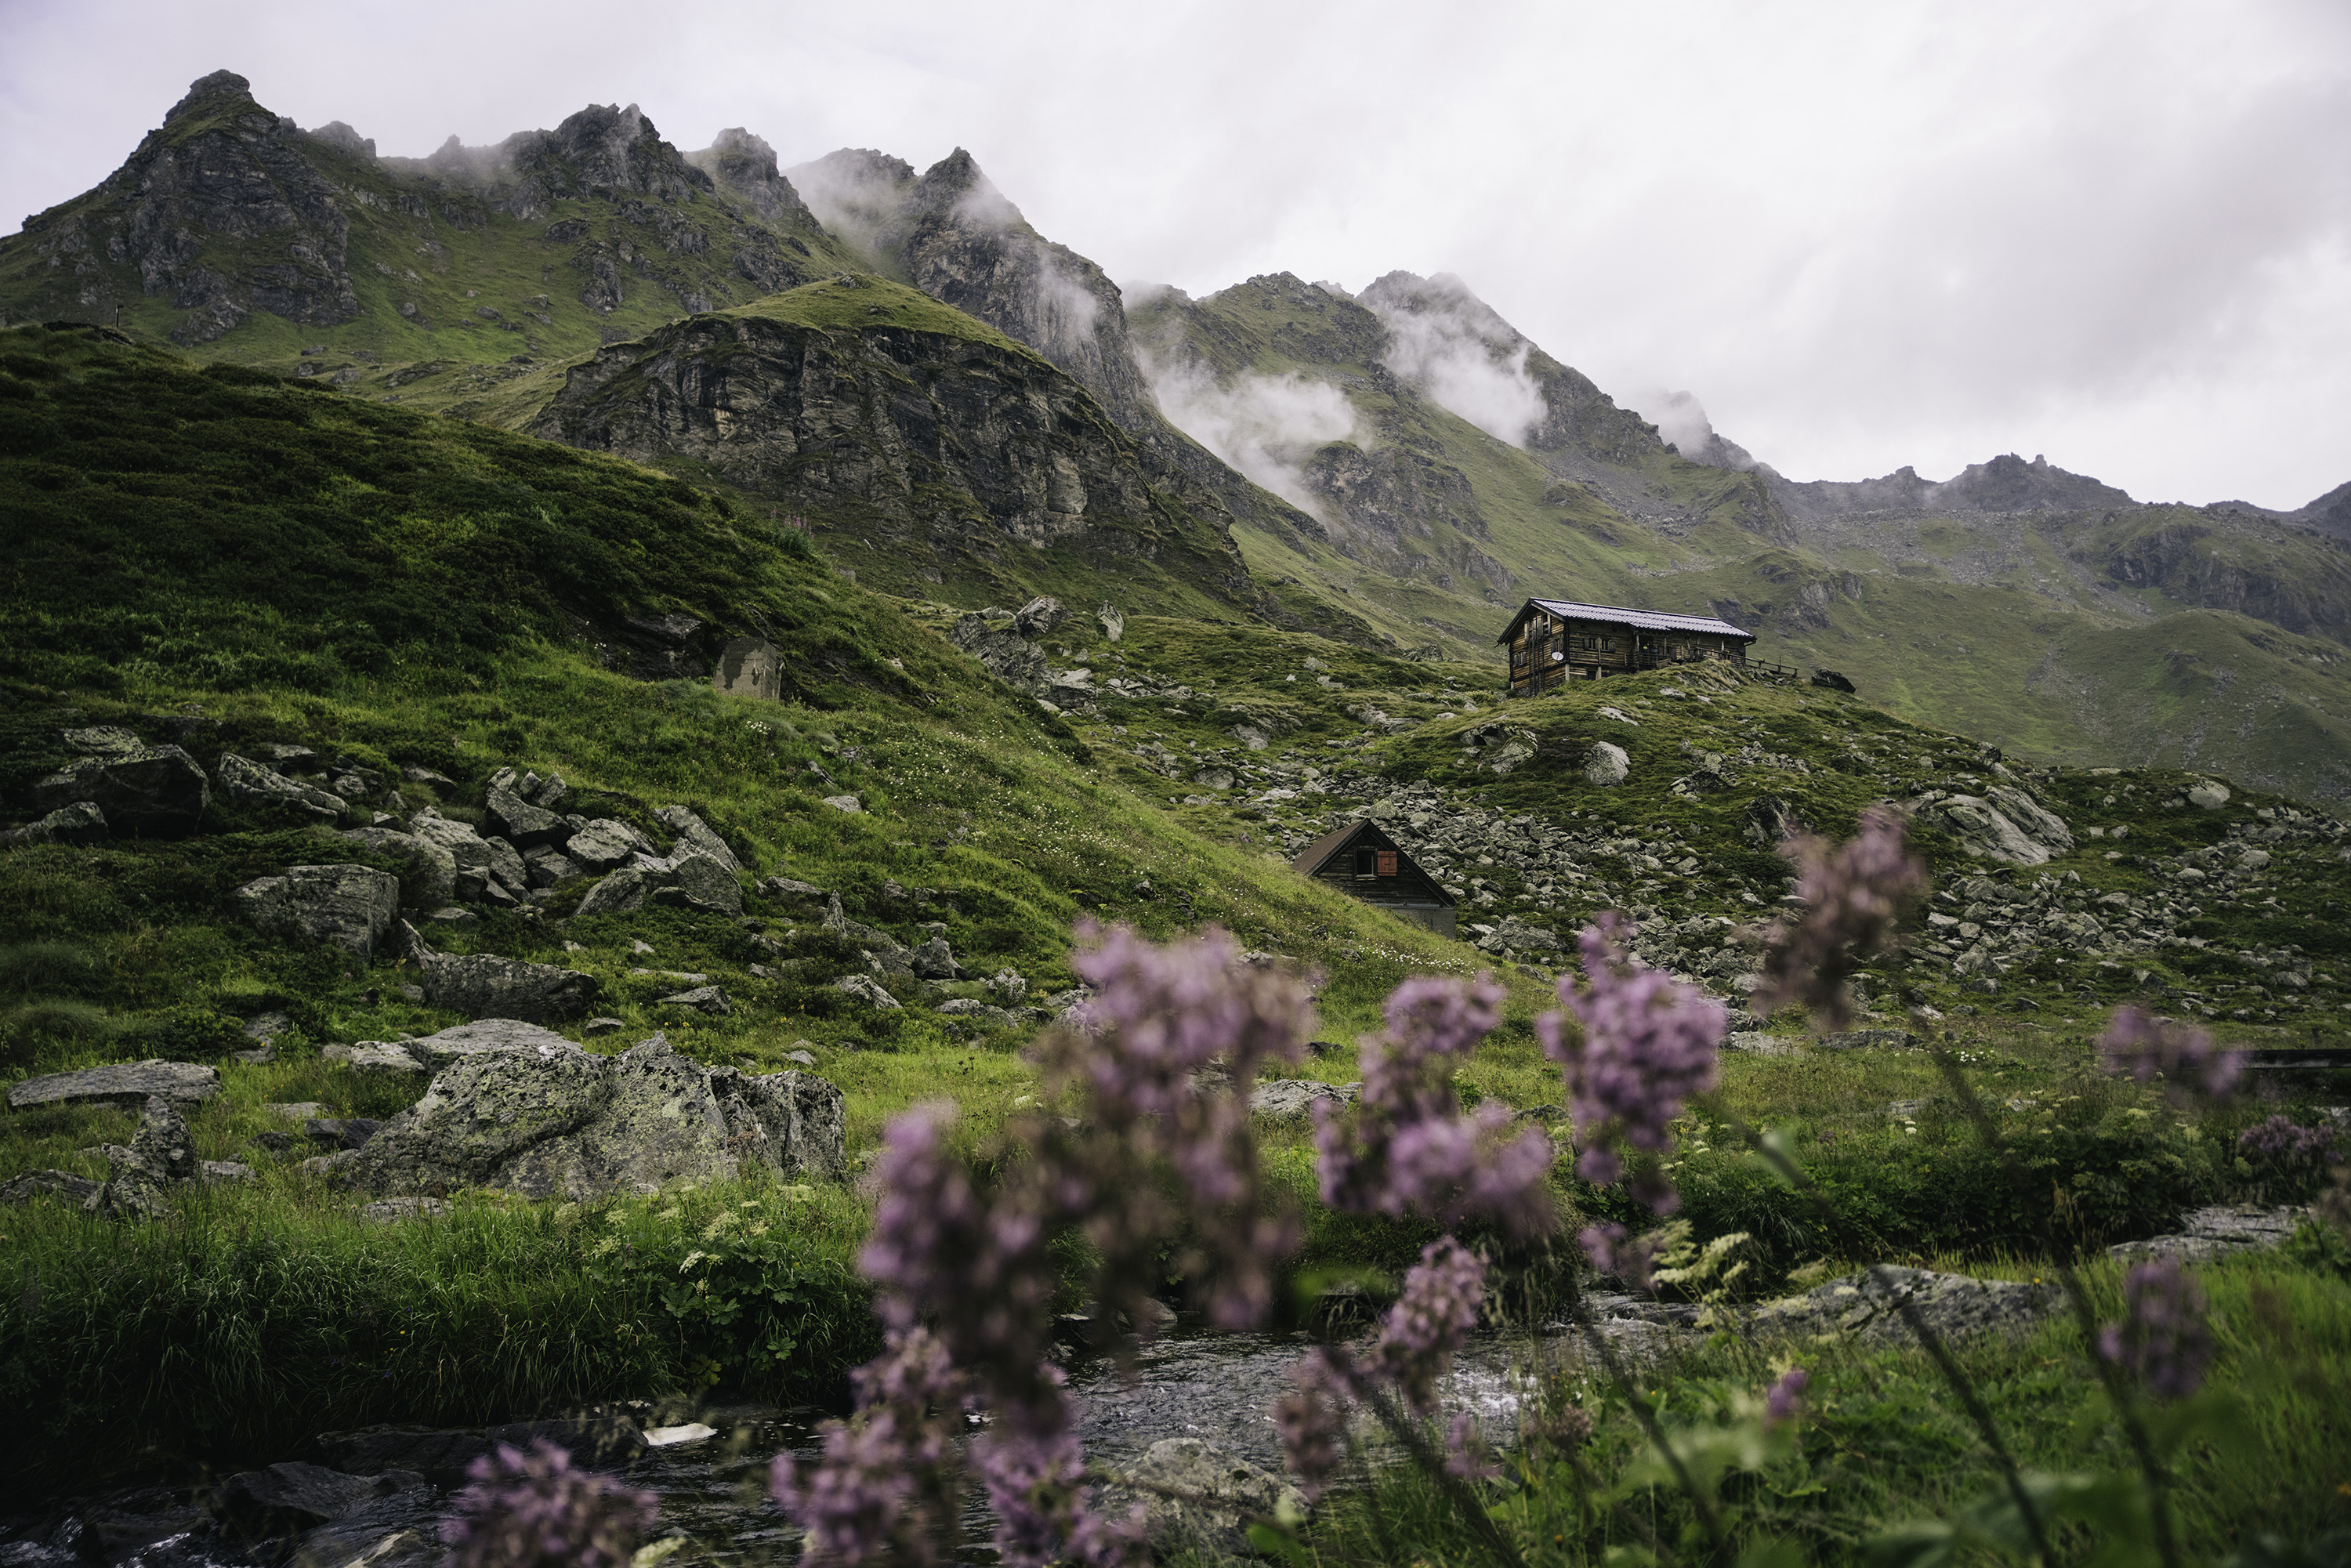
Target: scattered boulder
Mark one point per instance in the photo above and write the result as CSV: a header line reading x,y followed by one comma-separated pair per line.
x,y
1513,932
1832,681
2219,1231
1607,764
603,843
430,879
2036,822
351,906
481,985
339,1132
1040,617
562,1122
1984,830
696,835
486,1037
124,1084
1196,1497
691,880
1755,1042
149,791
548,866
849,803
867,989
935,960
2210,796
1290,1099
489,859
1112,619
706,1000
522,824
1772,821
372,1056
1010,658
250,783
80,823
1867,1305
623,890
162,1155
76,1190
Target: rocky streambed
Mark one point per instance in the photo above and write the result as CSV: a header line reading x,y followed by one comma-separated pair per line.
x,y
1197,1411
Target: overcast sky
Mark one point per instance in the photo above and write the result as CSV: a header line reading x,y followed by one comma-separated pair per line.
x,y
1863,235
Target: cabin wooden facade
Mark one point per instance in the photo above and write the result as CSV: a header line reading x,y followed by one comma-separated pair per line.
x,y
1554,641
1362,861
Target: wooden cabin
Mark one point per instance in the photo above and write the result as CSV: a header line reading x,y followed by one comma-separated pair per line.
x,y
1363,862
1553,641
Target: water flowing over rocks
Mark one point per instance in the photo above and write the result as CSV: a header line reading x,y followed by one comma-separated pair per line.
x,y
1219,1493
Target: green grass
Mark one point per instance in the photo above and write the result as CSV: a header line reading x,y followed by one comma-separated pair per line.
x,y
1881,1443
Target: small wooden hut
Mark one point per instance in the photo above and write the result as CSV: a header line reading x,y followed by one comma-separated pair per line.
x,y
1553,641
1363,862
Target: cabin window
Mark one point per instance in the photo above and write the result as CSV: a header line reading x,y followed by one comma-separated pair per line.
x,y
1367,862
1386,860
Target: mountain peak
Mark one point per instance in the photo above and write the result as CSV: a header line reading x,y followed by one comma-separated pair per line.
x,y
955,188
209,91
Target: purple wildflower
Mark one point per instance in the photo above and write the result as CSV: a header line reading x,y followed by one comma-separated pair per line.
x,y
528,1509
886,1481
1034,1475
1420,1334
1648,1043
1466,1456
1410,1148
2280,1140
1779,1405
1561,1429
1614,1250
2163,1338
1312,1417
1854,895
2141,1047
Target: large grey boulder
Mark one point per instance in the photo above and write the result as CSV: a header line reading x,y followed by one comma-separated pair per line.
x,y
1040,617
80,823
1868,1304
1294,1099
867,989
2037,822
76,1190
548,1123
149,791
490,860
691,880
697,835
123,1084
481,985
1017,663
1985,830
1197,1497
485,1037
1607,764
430,880
251,783
162,1155
351,906
522,824
935,960
605,842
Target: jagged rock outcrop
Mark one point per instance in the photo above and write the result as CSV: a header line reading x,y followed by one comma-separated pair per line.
x,y
549,1120
221,211
162,1155
156,792
949,447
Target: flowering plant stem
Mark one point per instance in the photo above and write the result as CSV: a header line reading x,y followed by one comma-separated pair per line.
x,y
1929,1339
1407,1432
2118,1391
1642,1412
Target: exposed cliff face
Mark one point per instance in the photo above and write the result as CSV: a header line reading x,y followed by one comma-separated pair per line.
x,y
221,212
937,449
2220,560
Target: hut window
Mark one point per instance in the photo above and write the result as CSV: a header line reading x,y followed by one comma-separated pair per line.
x,y
1367,862
1387,862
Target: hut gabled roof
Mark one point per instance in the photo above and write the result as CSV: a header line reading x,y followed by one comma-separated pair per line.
x,y
1324,849
1645,620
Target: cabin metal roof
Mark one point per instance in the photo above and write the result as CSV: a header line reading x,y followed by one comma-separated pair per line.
x,y
1617,615
1318,854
